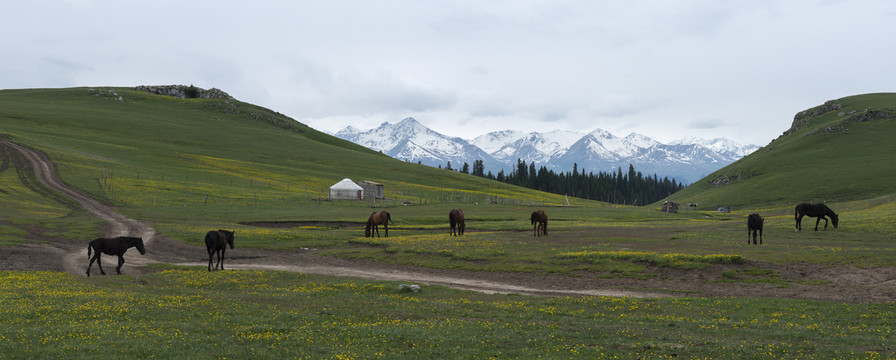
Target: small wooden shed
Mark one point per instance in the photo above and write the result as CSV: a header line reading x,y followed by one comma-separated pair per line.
x,y
670,207
372,190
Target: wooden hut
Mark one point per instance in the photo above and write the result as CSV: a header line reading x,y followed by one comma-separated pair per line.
x,y
372,190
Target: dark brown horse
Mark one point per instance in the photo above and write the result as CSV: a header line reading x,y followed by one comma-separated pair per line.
x,y
456,219
216,243
754,223
540,221
820,211
112,246
376,219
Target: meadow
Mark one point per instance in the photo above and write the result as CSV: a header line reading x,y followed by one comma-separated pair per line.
x,y
179,313
188,166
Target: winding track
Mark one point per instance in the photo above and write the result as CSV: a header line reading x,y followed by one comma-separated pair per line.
x,y
75,259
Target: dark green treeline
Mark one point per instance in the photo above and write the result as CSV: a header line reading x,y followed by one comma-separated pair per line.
x,y
631,188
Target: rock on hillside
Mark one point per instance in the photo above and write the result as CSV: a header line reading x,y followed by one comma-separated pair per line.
x,y
184,92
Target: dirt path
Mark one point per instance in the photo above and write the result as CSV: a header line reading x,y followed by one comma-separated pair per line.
x,y
838,283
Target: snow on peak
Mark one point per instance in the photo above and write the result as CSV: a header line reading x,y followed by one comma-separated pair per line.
x,y
687,159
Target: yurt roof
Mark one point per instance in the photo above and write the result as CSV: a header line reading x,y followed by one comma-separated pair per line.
x,y
346,184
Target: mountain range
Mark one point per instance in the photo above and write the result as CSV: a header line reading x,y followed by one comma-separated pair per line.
x,y
686,160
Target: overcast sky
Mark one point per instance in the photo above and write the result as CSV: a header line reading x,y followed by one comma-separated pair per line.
x,y
664,69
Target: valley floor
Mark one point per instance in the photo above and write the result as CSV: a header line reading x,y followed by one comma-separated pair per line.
x,y
801,281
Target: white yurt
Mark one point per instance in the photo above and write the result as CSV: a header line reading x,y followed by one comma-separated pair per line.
x,y
346,190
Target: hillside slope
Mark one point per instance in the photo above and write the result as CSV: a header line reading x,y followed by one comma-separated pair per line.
x,y
842,150
133,148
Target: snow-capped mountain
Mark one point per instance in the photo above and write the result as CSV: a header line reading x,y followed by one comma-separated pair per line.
x,y
410,141
686,160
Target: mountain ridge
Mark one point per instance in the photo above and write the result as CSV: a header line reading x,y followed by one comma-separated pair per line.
x,y
688,159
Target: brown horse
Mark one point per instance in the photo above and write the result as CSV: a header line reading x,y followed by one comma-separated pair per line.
x,y
112,246
540,221
456,219
754,223
376,219
820,211
216,243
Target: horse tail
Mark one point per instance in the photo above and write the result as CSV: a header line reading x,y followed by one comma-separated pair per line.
x,y
389,217
88,250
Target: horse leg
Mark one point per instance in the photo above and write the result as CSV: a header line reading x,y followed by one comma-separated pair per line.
x,y
211,254
222,257
818,220
799,220
120,263
95,257
760,236
386,226
825,222
99,262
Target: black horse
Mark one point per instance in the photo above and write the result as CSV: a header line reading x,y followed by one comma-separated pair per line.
x,y
540,221
820,211
754,223
112,246
457,222
216,243
375,220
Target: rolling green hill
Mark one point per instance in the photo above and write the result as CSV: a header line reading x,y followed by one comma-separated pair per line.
x,y
145,148
842,150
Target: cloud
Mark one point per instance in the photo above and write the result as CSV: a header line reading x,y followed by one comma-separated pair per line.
x,y
326,91
653,67
705,124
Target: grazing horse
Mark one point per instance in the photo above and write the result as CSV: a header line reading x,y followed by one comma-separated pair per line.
x,y
754,223
216,243
376,219
820,211
112,246
540,221
456,219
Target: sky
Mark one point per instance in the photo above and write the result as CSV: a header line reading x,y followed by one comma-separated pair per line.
x,y
665,69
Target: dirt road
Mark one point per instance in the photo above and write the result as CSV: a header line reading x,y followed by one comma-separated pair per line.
x,y
837,283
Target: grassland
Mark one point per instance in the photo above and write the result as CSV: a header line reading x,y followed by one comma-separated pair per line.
x,y
187,166
266,314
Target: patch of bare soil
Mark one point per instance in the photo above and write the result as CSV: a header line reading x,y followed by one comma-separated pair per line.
x,y
838,283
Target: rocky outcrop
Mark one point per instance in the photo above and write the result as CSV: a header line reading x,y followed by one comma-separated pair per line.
x,y
801,119
184,92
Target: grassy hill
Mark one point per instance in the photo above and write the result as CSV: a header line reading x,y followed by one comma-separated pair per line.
x,y
840,151
179,151
206,162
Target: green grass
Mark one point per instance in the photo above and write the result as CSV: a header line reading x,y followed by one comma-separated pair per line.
x,y
188,166
851,162
265,314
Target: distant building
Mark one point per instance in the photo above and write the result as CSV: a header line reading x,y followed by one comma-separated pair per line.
x,y
346,190
372,190
670,207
